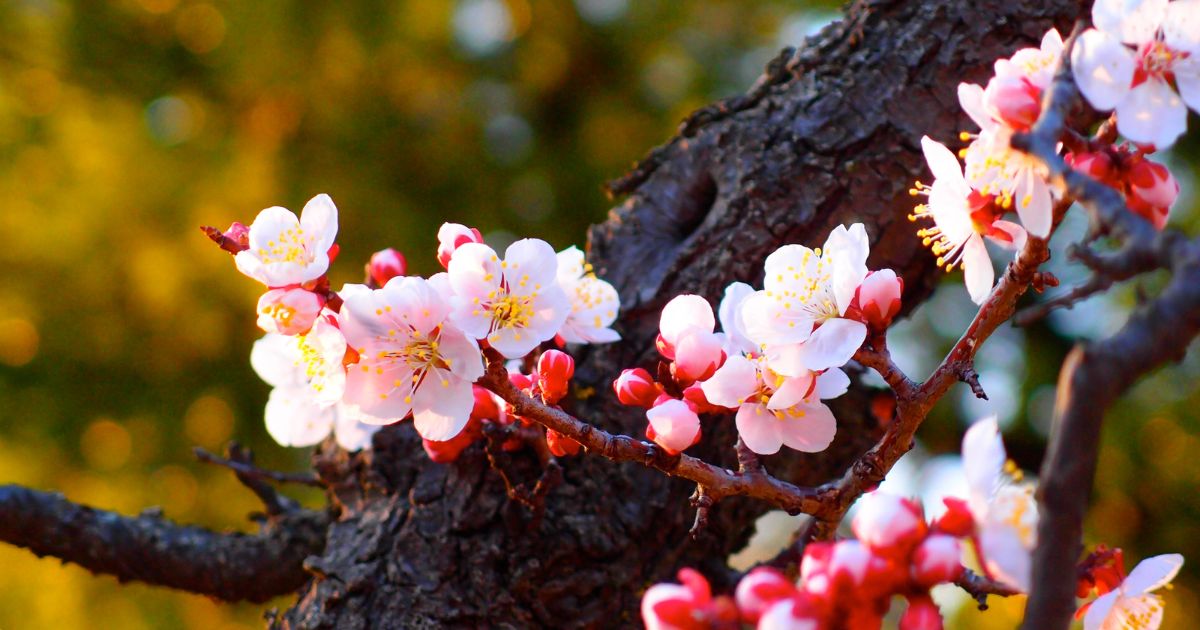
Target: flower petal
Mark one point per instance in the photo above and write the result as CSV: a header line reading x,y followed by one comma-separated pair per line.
x,y
1103,69
791,391
1152,574
732,383
1143,611
683,312
1033,203
350,433
529,264
942,162
772,318
759,429
294,419
1152,113
1005,557
1098,610
474,271
1008,235
1134,21
831,383
730,314
809,428
274,357
977,269
319,219
461,354
847,251
832,344
970,97
983,459
442,405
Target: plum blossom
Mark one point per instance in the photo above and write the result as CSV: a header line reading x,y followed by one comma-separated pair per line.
x,y
594,302
733,325
799,318
1134,604
1130,60
410,358
289,311
775,410
962,219
285,251
686,606
674,425
515,303
308,379
686,337
1004,509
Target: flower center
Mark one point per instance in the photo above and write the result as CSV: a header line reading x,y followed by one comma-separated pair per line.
x,y
512,311
290,246
1156,60
313,361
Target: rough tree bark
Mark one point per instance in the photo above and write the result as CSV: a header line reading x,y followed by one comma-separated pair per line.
x,y
828,136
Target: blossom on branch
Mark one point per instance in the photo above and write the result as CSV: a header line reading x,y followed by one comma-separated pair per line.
x,y
285,251
1129,62
411,359
289,311
1134,604
594,302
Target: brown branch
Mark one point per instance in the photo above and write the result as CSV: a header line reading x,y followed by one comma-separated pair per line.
x,y
247,469
147,548
979,587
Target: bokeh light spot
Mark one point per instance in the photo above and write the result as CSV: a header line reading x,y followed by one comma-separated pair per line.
x,y
200,28
106,445
18,341
208,421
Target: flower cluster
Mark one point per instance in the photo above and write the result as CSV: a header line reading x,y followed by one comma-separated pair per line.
x,y
399,346
778,354
1124,601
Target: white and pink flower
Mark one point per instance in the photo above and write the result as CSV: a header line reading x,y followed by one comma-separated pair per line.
x,y
285,251
594,302
962,218
451,236
1134,604
1130,60
686,336
289,311
411,359
515,303
798,319
674,425
775,410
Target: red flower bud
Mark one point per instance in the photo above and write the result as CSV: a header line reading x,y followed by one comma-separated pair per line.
x,y
936,560
957,519
554,371
922,614
449,450
888,524
561,445
453,235
636,388
386,264
759,589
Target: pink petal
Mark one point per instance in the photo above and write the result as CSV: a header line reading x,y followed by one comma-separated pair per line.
x,y
791,391
812,431
683,312
1033,203
759,429
970,97
831,383
732,383
474,271
461,354
1008,235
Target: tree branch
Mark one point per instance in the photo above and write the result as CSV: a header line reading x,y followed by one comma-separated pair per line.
x,y
148,548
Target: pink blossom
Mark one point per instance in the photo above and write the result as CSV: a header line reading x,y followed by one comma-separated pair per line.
x,y
684,313
594,302
515,303
675,426
1151,191
697,355
889,524
878,297
775,410
1015,100
411,359
285,251
1129,60
686,606
451,236
936,560
386,264
759,589
1134,604
921,614
288,311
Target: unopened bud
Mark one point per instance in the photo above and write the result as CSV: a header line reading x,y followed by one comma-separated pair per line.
x,y
636,388
386,264
1014,100
561,445
453,235
888,524
936,560
698,354
554,371
758,590
922,614
957,520
878,297
673,425
1098,166
449,450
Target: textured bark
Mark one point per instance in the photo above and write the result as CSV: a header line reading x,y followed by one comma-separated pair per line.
x,y
829,136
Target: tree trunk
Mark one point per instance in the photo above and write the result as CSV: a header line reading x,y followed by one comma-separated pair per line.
x,y
829,135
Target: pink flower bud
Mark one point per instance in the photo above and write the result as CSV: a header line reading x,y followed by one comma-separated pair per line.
x,y
936,560
758,590
1151,186
554,371
694,396
288,311
686,606
666,349
888,524
386,264
795,612
451,236
698,354
957,520
1014,100
636,388
1098,166
673,425
858,573
487,405
878,297
684,312
922,614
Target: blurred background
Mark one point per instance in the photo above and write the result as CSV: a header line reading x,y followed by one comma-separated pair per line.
x,y
126,124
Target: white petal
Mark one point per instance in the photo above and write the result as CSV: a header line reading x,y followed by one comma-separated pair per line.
x,y
474,271
832,344
461,354
983,462
1098,611
1144,612
442,405
528,264
774,319
942,162
513,343
294,419
1033,204
350,433
1134,21
319,218
831,383
274,359
1152,113
683,312
1103,69
1005,556
759,429
731,383
970,97
411,301
570,264
809,428
791,391
1152,574
977,269
787,267
1181,28
847,251
730,314
1187,78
